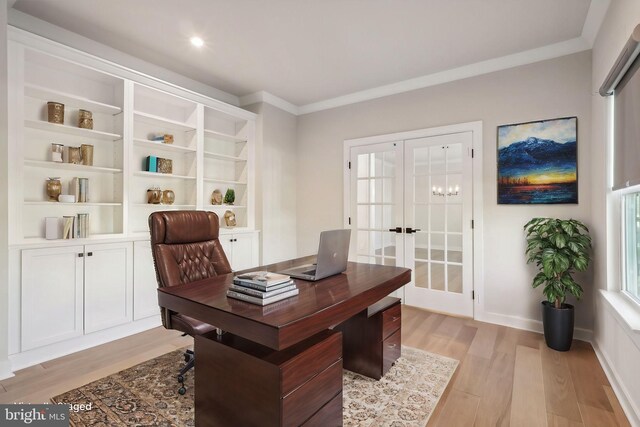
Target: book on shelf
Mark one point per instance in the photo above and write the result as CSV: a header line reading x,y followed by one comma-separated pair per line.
x,y
262,287
262,294
261,301
79,187
263,278
69,227
83,225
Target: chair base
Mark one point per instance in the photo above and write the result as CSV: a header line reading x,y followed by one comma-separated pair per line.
x,y
190,359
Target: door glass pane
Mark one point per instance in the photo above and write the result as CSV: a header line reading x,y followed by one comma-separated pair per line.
x,y
437,157
390,261
389,244
421,217
437,277
454,158
454,188
438,189
454,278
389,167
376,217
363,165
378,260
388,217
364,259
421,161
421,189
376,243
437,218
421,272
377,164
376,190
421,246
437,246
454,248
387,192
454,218
363,216
363,243
363,191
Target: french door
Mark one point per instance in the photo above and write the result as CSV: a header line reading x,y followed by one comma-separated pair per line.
x,y
411,206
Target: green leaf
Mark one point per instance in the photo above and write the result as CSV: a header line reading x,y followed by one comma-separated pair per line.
x,y
560,240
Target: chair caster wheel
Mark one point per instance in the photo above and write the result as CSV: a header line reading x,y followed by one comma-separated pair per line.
x,y
182,390
180,379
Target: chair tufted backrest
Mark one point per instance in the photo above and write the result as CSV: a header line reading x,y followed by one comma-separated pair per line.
x,y
185,246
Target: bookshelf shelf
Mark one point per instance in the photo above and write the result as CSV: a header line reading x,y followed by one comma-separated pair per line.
x,y
223,136
78,204
212,155
155,120
69,166
161,146
223,181
70,130
47,94
162,175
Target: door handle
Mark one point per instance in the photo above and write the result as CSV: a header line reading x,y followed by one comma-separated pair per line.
x,y
410,230
397,229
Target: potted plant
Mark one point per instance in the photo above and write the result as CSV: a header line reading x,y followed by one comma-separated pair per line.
x,y
559,248
230,196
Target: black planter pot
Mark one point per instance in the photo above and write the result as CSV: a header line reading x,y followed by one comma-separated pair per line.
x,y
558,325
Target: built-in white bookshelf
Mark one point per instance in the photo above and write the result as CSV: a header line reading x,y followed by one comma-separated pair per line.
x,y
212,149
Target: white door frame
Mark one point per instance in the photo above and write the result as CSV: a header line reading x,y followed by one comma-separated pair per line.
x,y
478,236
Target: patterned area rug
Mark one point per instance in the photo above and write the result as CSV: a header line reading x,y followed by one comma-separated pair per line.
x,y
146,394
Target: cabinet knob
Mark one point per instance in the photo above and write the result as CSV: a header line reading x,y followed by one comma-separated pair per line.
x,y
89,253
80,255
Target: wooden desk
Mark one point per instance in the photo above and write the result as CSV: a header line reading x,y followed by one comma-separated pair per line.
x,y
277,365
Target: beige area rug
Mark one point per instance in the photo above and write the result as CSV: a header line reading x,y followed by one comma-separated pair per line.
x,y
146,394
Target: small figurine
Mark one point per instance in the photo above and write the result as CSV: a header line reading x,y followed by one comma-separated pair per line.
x,y
230,219
216,197
230,196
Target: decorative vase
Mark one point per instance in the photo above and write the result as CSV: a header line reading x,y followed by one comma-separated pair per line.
x,y
558,325
154,196
55,112
54,188
56,152
168,197
230,219
216,197
85,119
87,154
75,155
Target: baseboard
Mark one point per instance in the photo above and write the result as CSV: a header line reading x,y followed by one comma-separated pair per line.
x,y
53,351
528,324
5,370
618,387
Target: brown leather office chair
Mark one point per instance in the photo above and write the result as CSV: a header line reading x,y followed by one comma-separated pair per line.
x,y
186,248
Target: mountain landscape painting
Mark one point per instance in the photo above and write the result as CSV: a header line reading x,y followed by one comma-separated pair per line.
x,y
538,162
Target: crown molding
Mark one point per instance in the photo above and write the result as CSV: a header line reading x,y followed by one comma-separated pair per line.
x,y
595,17
556,50
269,98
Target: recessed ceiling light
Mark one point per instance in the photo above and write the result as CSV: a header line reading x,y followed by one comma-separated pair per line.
x,y
197,41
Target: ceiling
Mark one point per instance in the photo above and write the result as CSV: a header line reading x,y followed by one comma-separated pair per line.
x,y
308,51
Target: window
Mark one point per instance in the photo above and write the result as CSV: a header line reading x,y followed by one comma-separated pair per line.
x,y
631,229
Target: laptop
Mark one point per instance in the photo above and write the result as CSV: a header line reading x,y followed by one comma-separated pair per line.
x,y
333,253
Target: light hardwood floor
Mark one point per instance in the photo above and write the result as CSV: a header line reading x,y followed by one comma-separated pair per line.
x,y
506,377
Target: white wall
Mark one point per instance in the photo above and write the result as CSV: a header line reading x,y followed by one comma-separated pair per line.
x,y
276,154
5,369
544,90
617,346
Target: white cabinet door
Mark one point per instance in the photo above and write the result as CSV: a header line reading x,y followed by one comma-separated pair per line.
x,y
52,294
244,248
226,240
145,284
108,285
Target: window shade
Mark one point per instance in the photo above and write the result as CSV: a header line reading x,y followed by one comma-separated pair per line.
x,y
626,143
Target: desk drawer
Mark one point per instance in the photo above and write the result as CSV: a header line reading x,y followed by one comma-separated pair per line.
x,y
310,362
391,320
300,405
330,415
391,348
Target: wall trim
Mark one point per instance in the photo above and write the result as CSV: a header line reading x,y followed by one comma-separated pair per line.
x,y
532,325
618,386
5,370
63,348
271,99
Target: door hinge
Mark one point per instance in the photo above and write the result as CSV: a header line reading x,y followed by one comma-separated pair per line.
x,y
349,220
472,224
473,295
472,153
349,165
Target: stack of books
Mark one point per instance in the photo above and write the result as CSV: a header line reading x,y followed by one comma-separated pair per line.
x,y
262,287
